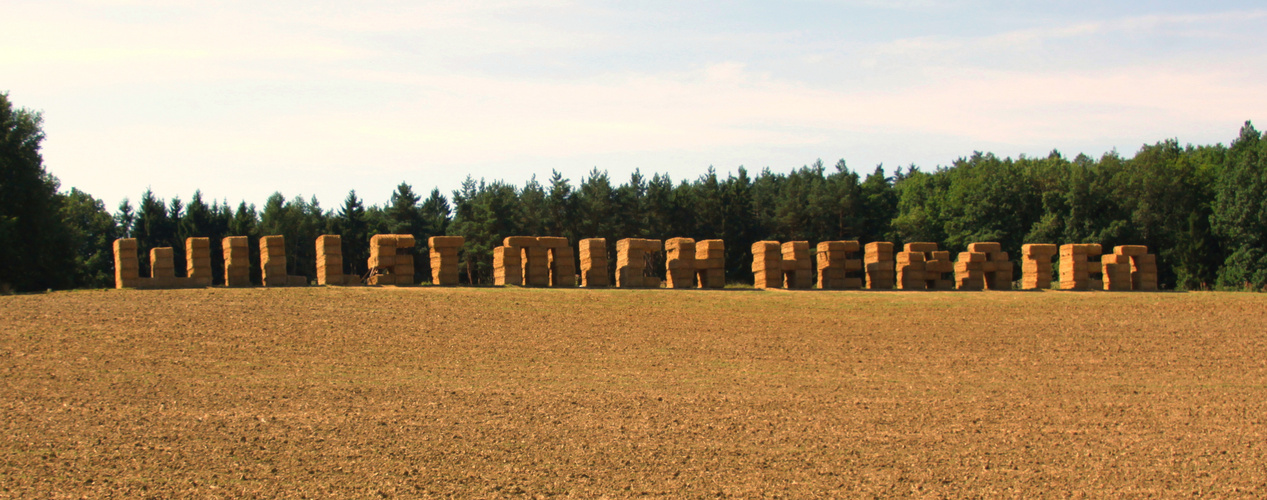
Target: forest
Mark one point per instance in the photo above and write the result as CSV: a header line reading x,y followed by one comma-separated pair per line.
x,y
1202,209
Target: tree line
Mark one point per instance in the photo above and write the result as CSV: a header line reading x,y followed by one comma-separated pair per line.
x,y
1202,209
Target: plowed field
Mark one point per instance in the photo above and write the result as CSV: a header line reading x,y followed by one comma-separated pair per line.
x,y
408,392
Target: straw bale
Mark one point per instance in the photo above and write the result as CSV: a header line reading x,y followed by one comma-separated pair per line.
x,y
162,254
922,247
985,247
1146,259
126,244
830,246
680,245
383,240
1038,266
1000,257
629,277
679,265
445,241
909,257
766,247
712,278
972,257
767,279
1130,250
710,245
594,277
235,242
552,242
1039,250
592,244
879,247
405,241
382,261
911,281
127,264
506,257
593,247
795,247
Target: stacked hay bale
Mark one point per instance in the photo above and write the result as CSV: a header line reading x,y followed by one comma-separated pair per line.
x,y
444,259
330,261
710,263
938,268
880,266
1036,267
1143,266
508,268
633,263
127,266
838,265
679,262
798,269
970,271
767,264
197,262
593,253
391,261
536,262
996,269
162,267
237,261
1080,267
273,261
910,271
1117,271
560,261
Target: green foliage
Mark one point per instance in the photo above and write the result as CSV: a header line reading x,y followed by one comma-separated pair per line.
x,y
1240,211
37,247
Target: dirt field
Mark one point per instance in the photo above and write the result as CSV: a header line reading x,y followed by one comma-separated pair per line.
x,y
360,392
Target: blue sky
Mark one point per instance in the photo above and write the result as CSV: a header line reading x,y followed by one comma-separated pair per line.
x,y
241,99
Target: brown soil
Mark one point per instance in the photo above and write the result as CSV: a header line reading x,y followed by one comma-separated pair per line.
x,y
355,392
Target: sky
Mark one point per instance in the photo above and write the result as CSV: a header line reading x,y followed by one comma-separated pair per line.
x,y
318,97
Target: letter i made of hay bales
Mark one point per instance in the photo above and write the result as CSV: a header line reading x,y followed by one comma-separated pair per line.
x,y
1036,265
839,265
330,262
710,263
798,269
127,266
198,262
273,263
767,264
391,260
444,259
880,266
634,258
679,263
1080,267
237,261
593,254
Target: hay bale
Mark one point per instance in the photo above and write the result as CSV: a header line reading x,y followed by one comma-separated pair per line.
x,y
921,247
